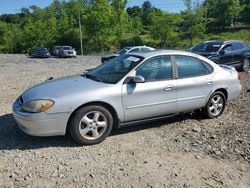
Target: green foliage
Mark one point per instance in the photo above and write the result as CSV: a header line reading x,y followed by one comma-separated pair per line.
x,y
120,17
165,28
99,25
194,21
224,12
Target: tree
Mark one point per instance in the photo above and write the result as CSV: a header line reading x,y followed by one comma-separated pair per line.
x,y
120,17
146,6
39,33
134,11
99,25
165,28
194,24
223,12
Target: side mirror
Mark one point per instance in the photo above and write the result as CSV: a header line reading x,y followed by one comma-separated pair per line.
x,y
138,79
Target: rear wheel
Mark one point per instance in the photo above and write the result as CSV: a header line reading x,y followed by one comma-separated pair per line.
x,y
245,64
216,105
91,125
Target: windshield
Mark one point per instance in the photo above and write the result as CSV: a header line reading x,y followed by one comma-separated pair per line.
x,y
207,47
67,48
123,51
114,70
42,50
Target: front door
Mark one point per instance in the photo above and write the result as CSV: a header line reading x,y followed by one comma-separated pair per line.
x,y
227,56
155,97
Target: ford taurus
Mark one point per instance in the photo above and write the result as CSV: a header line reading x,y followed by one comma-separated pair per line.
x,y
130,88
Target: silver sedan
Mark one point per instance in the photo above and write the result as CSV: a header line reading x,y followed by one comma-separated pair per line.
x,y
132,88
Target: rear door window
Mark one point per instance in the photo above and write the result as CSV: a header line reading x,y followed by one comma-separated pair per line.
x,y
190,67
238,46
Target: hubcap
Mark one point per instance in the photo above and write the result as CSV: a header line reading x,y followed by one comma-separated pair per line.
x,y
246,64
216,105
93,125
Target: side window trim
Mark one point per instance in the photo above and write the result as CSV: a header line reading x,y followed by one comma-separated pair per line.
x,y
155,57
176,67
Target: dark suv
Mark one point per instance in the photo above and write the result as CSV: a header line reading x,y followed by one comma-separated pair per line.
x,y
234,53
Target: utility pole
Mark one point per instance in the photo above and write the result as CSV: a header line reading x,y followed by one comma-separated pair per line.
x,y
80,29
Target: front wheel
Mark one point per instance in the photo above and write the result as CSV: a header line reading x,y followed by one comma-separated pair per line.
x,y
245,64
215,105
91,125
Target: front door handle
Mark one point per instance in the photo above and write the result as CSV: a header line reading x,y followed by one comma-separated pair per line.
x,y
208,82
168,88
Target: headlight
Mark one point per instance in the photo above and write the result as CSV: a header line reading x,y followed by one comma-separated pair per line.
x,y
36,106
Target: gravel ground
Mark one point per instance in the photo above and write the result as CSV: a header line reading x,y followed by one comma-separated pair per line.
x,y
184,151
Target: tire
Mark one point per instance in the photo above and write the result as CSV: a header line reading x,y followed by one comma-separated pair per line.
x,y
91,125
245,65
215,105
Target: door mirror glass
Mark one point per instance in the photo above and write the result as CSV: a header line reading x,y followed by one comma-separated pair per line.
x,y
138,79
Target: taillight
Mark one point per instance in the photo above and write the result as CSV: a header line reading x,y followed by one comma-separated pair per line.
x,y
238,74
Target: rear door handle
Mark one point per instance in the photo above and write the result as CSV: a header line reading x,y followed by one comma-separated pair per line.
x,y
168,88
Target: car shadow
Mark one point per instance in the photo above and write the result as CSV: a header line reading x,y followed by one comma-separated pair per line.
x,y
11,137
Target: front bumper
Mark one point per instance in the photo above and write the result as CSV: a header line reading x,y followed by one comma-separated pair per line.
x,y
67,54
40,124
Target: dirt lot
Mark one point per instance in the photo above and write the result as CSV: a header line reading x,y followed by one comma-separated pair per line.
x,y
184,151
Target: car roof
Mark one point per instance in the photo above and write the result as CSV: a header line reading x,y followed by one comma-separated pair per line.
x,y
138,47
223,42
230,41
165,52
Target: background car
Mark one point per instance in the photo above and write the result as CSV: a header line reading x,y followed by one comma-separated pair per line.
x,y
132,88
66,51
234,53
41,52
126,50
56,50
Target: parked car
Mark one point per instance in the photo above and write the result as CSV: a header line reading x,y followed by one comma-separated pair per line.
x,y
133,88
56,50
66,51
126,50
41,52
234,53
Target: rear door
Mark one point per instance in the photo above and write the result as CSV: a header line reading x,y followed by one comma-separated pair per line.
x,y
155,97
238,52
194,83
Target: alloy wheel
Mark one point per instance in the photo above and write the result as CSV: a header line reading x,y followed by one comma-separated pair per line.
x,y
93,125
216,105
246,65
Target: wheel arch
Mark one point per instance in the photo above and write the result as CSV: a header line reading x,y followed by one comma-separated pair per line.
x,y
100,103
224,91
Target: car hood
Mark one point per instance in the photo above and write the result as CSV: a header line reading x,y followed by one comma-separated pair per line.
x,y
56,88
110,55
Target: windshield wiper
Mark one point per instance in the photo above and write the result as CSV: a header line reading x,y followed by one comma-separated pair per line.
x,y
92,77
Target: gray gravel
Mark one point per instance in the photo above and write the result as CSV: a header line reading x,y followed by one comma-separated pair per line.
x,y
184,151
